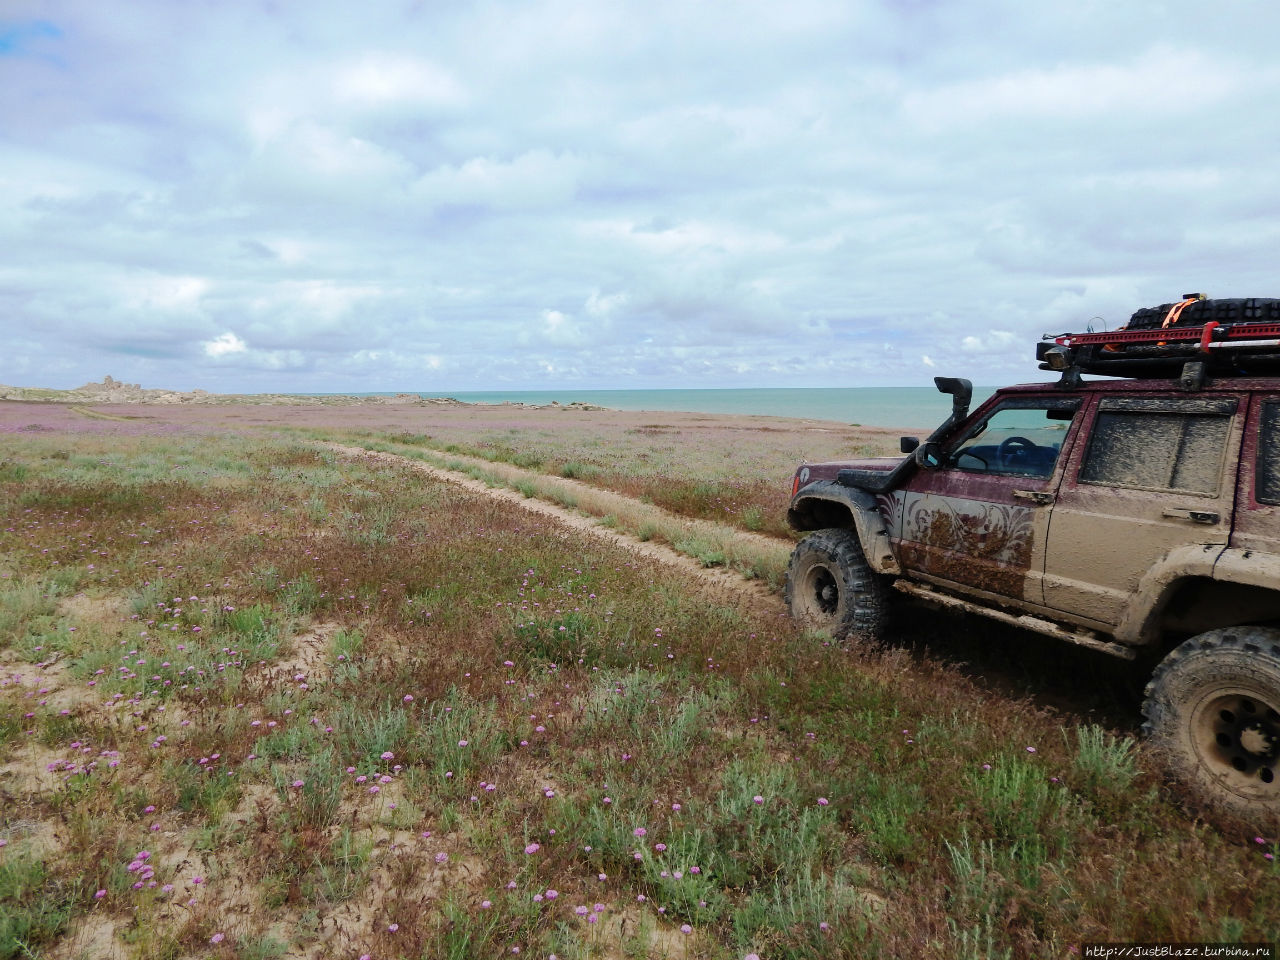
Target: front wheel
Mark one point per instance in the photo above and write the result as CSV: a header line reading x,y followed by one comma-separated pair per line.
x,y
1213,709
831,587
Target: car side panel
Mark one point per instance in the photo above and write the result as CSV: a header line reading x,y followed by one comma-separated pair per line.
x,y
1105,538
980,532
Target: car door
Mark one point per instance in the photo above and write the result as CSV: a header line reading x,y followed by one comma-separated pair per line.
x,y
978,520
1153,477
1257,522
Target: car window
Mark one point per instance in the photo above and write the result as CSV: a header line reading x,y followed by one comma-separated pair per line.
x,y
1268,480
1022,439
1158,449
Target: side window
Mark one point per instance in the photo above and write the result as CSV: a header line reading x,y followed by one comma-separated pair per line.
x,y
1023,438
1159,445
1268,480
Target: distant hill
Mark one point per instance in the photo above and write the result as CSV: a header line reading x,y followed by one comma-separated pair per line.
x,y
111,390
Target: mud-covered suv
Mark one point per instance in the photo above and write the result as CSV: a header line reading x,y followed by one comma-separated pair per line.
x,y
1140,517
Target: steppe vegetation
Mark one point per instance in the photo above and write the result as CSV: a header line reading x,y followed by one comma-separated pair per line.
x,y
690,486
739,476
258,700
709,543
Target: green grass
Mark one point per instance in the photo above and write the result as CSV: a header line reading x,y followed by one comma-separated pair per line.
x,y
718,542
500,708
739,477
35,905
1103,760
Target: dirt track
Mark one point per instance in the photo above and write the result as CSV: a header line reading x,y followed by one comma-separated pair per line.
x,y
719,580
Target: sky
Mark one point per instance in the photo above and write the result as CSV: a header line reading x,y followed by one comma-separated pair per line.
x,y
441,196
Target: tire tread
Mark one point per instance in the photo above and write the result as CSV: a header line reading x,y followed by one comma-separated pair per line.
x,y
1161,709
868,613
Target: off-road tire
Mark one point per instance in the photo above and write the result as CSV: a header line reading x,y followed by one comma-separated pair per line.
x,y
1213,713
1224,310
830,587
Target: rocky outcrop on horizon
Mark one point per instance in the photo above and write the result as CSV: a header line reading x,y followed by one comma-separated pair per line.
x,y
111,390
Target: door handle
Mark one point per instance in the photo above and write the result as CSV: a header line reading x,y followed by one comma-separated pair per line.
x,y
1195,516
1038,497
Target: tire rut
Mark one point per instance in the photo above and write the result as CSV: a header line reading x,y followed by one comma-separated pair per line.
x,y
716,580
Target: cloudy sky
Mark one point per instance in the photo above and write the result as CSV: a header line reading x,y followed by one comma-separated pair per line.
x,y
262,195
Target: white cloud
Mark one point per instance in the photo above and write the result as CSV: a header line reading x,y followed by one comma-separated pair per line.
x,y
691,237
647,194
558,329
223,345
288,250
990,341
377,79
1167,81
534,178
604,305
161,293
310,156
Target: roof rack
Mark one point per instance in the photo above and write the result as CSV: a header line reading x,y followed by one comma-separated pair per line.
x,y
1245,348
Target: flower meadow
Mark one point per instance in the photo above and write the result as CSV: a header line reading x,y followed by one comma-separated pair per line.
x,y
733,471
261,700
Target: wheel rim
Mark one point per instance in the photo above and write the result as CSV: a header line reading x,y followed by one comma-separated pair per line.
x,y
1237,737
821,592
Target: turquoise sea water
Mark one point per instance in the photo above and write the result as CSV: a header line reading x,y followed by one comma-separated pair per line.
x,y
914,407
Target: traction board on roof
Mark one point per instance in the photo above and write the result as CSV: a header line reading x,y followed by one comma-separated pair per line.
x,y
1237,349
1216,334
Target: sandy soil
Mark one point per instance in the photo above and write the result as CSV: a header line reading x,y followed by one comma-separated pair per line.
x,y
405,416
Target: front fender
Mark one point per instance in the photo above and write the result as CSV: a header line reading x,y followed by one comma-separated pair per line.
x,y
819,497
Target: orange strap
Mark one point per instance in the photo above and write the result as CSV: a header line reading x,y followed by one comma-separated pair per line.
x,y
1176,311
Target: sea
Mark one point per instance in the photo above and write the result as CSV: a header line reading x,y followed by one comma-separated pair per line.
x,y
915,407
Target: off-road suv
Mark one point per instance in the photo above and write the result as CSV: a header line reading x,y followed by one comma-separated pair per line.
x,y
1139,516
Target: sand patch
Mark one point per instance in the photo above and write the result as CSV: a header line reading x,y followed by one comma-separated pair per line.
x,y
37,838
403,876
95,610
258,802
47,687
658,938
308,658
89,938
33,773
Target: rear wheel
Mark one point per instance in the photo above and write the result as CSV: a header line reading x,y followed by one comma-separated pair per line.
x,y
831,587
1213,709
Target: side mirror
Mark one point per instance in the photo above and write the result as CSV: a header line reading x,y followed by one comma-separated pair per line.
x,y
929,456
908,444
